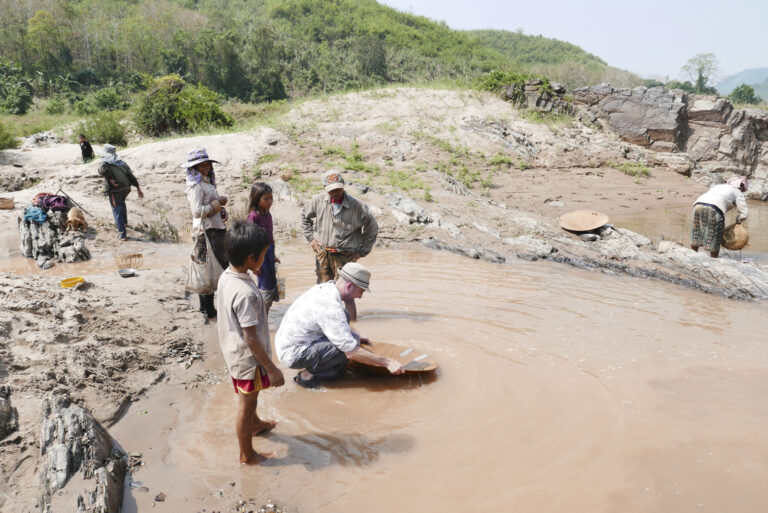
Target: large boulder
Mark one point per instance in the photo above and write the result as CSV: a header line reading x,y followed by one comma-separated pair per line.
x,y
72,442
650,117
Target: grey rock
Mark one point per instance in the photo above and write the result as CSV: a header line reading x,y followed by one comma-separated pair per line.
x,y
49,242
501,133
681,163
647,117
282,191
449,183
71,442
272,141
529,248
9,417
476,252
409,211
485,229
589,237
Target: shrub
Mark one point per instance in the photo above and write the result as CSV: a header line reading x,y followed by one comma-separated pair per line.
x,y
172,105
109,99
7,139
744,94
104,128
56,105
495,80
84,107
15,99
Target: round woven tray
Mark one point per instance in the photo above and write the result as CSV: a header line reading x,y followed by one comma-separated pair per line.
x,y
129,260
735,237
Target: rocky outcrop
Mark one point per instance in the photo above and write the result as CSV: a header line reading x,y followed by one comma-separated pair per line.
x,y
653,118
71,443
407,211
621,251
700,136
535,94
50,242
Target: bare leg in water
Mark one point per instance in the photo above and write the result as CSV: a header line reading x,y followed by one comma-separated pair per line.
x,y
246,415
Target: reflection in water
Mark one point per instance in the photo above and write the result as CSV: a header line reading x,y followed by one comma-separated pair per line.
x,y
557,390
320,450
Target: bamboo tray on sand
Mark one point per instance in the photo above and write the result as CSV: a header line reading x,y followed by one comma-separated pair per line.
x,y
414,360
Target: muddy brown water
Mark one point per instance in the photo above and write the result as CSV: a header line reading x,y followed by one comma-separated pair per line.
x,y
675,224
558,390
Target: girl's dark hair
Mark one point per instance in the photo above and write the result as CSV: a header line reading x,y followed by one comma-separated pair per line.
x,y
258,190
245,239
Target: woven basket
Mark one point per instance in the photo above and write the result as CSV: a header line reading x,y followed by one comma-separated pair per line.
x,y
735,237
129,261
6,203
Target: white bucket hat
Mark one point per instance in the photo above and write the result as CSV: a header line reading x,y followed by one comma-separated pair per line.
x,y
357,275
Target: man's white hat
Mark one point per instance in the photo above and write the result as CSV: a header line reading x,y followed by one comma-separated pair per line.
x,y
356,274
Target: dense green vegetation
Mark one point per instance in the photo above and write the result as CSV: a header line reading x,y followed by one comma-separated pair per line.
x,y
87,57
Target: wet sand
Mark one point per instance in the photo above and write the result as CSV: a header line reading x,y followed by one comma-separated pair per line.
x,y
557,390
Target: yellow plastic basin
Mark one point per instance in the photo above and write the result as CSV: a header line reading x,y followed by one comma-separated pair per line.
x,y
71,282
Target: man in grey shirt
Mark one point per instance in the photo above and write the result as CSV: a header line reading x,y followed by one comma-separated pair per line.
x,y
339,228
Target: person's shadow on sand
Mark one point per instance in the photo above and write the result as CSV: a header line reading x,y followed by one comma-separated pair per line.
x,y
316,451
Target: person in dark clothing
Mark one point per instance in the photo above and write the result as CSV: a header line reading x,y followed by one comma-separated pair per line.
x,y
118,180
85,149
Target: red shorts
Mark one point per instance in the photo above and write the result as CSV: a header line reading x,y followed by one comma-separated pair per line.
x,y
248,386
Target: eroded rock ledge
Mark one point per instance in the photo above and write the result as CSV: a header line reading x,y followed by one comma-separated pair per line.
x,y
704,130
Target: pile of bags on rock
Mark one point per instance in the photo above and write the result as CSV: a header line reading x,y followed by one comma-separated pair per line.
x,y
44,235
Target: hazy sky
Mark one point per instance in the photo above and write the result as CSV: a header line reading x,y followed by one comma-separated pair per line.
x,y
651,37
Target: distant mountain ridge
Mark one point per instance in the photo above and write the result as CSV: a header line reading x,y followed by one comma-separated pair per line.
x,y
755,77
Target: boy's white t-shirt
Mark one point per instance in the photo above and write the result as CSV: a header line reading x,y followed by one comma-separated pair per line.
x,y
239,306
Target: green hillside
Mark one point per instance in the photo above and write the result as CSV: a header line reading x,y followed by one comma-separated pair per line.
x,y
559,60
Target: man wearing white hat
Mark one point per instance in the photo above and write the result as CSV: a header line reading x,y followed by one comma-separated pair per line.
x,y
315,334
339,228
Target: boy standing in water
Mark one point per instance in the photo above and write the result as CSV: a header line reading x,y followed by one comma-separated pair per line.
x,y
244,333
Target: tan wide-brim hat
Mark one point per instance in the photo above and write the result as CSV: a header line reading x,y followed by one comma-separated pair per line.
x,y
735,237
356,274
583,220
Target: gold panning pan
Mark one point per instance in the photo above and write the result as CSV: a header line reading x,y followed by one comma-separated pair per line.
x,y
583,220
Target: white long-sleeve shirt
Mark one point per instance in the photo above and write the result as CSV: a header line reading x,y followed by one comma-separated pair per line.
x,y
725,197
200,197
318,313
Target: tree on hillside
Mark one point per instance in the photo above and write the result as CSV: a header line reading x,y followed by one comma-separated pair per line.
x,y
744,94
701,68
